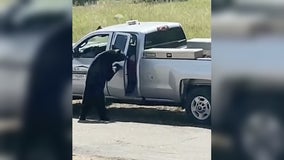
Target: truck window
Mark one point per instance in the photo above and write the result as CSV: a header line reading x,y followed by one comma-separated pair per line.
x,y
171,38
93,46
120,42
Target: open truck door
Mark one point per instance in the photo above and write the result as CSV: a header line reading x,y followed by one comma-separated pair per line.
x,y
118,84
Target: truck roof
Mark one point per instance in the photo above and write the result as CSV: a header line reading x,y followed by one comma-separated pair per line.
x,y
140,27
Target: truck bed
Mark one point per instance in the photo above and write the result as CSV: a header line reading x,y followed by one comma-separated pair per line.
x,y
160,78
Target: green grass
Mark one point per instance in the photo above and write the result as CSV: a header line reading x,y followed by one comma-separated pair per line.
x,y
194,15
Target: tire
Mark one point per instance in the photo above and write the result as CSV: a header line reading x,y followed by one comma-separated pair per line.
x,y
198,104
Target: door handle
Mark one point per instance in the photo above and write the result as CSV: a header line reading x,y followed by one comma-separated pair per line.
x,y
80,69
82,66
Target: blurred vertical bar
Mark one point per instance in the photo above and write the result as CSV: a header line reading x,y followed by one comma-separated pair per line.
x,y
35,79
248,79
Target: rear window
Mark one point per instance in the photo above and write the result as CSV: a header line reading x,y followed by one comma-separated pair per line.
x,y
172,37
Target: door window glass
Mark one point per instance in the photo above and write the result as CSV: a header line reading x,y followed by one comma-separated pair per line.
x,y
93,46
120,42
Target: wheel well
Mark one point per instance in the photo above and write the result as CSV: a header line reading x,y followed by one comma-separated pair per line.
x,y
189,84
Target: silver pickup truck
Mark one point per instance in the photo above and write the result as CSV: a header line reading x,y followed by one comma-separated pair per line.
x,y
162,65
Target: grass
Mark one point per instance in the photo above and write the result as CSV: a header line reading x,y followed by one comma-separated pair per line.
x,y
194,15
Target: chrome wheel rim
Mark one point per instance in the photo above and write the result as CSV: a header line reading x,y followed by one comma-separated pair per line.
x,y
200,108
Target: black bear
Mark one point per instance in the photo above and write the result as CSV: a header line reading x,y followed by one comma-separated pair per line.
x,y
100,71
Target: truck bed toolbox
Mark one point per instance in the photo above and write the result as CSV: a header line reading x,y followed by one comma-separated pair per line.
x,y
204,43
173,53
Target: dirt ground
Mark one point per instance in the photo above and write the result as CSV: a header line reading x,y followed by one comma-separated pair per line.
x,y
140,132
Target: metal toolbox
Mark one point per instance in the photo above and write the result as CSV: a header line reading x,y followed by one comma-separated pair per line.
x,y
204,43
173,53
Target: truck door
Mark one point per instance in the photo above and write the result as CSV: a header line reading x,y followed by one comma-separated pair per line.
x,y
116,86
83,55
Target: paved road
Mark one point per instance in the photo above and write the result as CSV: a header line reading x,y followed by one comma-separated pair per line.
x,y
140,133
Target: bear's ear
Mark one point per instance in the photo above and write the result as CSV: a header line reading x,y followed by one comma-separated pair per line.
x,y
99,27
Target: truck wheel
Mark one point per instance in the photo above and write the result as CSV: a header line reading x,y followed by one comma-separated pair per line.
x,y
198,104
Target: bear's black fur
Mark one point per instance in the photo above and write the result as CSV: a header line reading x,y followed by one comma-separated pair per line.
x,y
99,72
